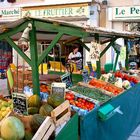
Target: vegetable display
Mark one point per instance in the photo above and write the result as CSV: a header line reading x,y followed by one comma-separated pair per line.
x,y
79,102
91,93
106,86
126,77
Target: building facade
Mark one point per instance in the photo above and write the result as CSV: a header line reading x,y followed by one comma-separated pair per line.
x,y
82,12
123,16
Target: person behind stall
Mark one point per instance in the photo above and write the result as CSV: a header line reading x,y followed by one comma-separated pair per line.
x,y
75,57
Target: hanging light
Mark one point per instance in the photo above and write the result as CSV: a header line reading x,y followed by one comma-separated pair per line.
x,y
23,42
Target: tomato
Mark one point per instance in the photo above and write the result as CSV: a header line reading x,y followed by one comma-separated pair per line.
x,y
72,102
135,80
79,105
69,96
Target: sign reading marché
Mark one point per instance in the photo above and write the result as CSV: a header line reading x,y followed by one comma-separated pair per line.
x,y
121,13
9,13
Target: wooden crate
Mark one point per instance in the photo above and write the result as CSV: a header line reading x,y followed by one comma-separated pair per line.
x,y
61,113
51,123
45,130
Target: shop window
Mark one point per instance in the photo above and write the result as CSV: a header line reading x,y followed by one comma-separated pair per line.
x,y
132,26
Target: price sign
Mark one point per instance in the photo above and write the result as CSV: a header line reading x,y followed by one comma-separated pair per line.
x,y
20,103
66,78
58,88
92,72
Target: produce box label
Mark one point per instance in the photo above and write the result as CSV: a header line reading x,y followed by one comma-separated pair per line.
x,y
58,88
20,103
66,79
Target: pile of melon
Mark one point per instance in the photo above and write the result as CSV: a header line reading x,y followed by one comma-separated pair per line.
x,y
18,127
35,105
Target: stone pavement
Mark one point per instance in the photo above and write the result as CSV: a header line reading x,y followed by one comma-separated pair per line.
x,y
136,134
3,90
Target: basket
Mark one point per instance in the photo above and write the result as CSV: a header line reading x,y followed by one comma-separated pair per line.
x,y
22,79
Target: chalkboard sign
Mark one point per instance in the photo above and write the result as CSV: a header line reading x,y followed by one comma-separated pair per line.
x,y
19,103
66,78
58,88
92,72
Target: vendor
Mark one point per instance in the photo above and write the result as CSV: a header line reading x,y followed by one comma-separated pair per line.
x,y
75,57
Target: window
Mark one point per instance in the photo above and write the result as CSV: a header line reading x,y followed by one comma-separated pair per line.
x,y
132,26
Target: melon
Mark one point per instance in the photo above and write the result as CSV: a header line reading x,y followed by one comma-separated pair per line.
x,y
33,110
55,100
36,122
28,135
12,129
34,101
45,110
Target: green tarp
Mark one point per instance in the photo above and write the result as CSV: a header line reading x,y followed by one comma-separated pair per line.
x,y
118,127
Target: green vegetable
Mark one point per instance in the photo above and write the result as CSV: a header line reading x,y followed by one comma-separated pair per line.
x,y
91,93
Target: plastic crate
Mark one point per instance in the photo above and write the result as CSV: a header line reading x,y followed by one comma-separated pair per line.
x,y
70,130
108,67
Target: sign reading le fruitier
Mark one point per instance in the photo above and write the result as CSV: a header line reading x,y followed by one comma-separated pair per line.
x,y
56,11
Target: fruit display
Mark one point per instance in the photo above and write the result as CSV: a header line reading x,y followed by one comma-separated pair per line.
x,y
79,102
6,106
35,105
17,126
105,86
91,93
120,79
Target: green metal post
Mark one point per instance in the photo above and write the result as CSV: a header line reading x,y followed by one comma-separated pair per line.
x,y
116,60
127,59
19,51
34,60
46,51
83,45
108,46
98,63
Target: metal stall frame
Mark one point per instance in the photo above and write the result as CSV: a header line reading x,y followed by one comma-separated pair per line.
x,y
55,31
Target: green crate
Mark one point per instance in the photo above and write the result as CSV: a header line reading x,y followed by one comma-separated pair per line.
x,y
108,67
70,130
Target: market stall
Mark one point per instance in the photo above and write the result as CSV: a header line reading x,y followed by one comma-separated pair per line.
x,y
92,125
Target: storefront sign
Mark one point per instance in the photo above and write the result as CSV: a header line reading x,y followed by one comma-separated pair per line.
x,y
9,14
126,13
55,11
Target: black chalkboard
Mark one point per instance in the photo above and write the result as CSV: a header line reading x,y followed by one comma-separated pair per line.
x,y
66,78
19,103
